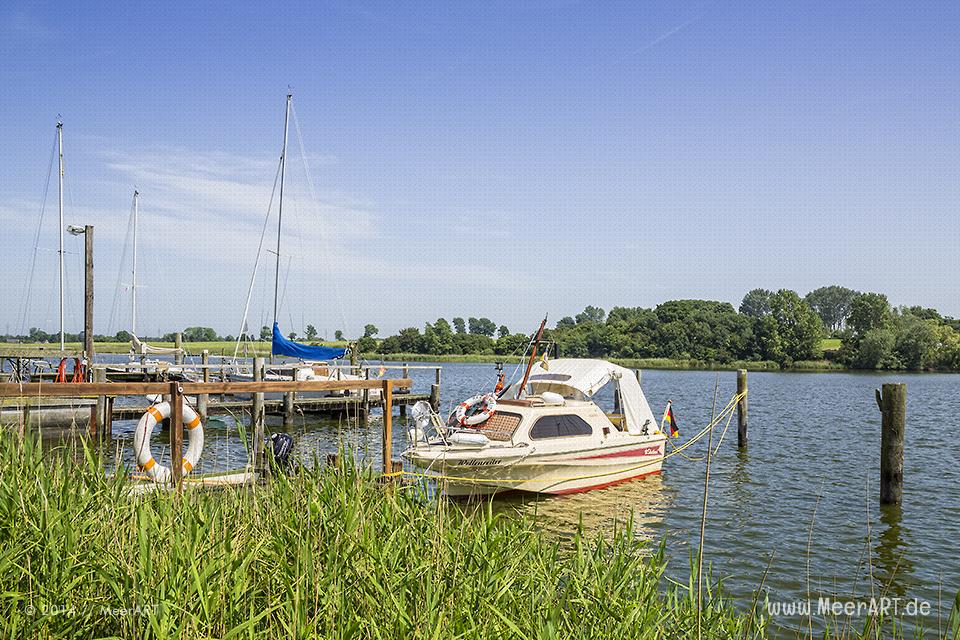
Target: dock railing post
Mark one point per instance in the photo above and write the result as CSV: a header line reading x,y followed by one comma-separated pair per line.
x,y
203,399
88,294
387,392
435,398
742,410
893,411
176,431
257,416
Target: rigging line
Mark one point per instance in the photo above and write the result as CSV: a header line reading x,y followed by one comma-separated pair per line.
x,y
323,231
256,264
36,240
123,260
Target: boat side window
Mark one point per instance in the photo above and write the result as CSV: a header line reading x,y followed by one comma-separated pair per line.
x,y
560,426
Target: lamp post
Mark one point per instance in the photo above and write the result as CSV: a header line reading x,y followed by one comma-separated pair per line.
x,y
87,233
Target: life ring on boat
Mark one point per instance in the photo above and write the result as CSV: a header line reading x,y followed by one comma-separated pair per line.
x,y
489,403
141,441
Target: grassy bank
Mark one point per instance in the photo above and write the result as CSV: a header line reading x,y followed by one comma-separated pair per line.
x,y
329,554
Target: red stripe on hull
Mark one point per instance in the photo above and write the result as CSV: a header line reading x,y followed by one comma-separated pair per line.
x,y
643,451
601,486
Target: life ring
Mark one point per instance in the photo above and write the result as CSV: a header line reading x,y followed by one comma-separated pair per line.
x,y
141,441
489,403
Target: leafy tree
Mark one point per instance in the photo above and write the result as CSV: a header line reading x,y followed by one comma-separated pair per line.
x,y
123,336
366,344
591,314
799,327
566,322
876,350
459,325
756,303
370,330
869,311
266,333
832,304
292,335
199,334
503,332
482,326
513,343
338,335
311,332
916,342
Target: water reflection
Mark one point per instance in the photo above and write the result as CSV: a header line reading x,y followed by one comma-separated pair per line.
x,y
597,513
893,567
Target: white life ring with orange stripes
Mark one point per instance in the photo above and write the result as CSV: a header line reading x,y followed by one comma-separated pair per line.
x,y
489,403
141,441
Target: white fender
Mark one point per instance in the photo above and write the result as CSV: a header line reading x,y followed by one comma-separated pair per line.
x,y
141,441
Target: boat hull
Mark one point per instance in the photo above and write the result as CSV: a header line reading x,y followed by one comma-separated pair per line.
x,y
463,475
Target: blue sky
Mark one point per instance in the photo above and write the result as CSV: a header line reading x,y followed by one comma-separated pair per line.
x,y
498,159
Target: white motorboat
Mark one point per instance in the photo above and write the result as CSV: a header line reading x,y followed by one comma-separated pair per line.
x,y
547,436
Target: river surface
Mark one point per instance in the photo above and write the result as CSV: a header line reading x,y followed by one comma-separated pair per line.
x,y
796,513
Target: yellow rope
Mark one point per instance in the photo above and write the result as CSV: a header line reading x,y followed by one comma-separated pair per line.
x,y
727,411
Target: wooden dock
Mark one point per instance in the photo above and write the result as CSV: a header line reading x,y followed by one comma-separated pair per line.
x,y
307,406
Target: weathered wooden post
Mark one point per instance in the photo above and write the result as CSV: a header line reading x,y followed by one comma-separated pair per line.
x,y
893,411
176,432
100,375
435,398
257,416
742,409
387,392
438,376
288,409
203,399
178,344
406,374
88,294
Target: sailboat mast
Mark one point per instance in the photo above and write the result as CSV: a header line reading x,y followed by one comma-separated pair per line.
x,y
60,174
283,163
133,286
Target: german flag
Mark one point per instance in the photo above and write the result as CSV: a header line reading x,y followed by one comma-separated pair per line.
x,y
670,420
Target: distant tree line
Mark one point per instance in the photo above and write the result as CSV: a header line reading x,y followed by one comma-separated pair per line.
x,y
778,326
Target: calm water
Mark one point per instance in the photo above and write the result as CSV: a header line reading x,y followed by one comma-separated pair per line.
x,y
801,504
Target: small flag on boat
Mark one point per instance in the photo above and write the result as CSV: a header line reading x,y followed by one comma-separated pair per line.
x,y
670,420
381,371
543,362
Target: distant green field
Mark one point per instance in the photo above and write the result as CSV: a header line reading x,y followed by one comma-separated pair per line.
x,y
830,344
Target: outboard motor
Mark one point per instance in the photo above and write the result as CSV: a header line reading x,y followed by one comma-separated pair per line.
x,y
282,448
422,415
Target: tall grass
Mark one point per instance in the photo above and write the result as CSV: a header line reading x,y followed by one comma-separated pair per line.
x,y
329,553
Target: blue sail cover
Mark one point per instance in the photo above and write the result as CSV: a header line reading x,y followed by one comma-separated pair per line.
x,y
284,347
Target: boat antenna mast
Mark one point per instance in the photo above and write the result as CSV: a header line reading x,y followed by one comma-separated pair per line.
x,y
283,162
533,357
133,286
60,174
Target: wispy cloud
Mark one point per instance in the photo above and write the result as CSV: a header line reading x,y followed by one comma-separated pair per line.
x,y
701,10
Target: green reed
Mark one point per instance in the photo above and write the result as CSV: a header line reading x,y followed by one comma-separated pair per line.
x,y
330,552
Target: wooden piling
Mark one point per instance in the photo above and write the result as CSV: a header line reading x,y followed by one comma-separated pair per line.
x,y
178,343
203,399
88,294
176,432
435,397
257,416
406,374
893,411
100,375
387,393
742,409
639,376
288,409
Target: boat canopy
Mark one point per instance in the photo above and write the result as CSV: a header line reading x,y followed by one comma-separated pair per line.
x,y
284,347
582,378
